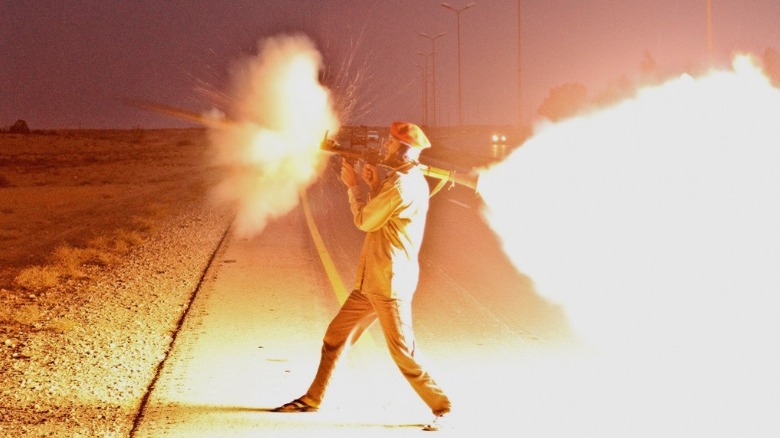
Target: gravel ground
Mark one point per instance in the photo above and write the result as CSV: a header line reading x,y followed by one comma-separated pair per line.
x,y
95,346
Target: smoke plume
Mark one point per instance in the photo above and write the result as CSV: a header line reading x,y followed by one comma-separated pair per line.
x,y
655,225
279,115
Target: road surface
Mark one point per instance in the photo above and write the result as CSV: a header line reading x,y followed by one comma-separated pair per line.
x,y
251,338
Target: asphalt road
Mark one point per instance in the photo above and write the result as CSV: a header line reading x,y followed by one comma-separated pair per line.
x,y
251,338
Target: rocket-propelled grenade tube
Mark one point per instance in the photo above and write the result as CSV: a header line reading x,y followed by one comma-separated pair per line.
x,y
451,176
371,156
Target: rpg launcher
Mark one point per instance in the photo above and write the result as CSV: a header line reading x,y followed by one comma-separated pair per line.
x,y
371,156
368,155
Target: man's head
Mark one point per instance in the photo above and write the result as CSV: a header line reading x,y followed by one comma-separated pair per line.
x,y
405,143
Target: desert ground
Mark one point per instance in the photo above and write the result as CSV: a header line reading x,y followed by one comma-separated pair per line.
x,y
104,235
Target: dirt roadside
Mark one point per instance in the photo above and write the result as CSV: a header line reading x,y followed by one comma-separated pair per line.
x,y
77,357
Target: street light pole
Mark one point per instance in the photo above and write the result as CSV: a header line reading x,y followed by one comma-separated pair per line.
x,y
709,31
433,67
519,65
422,95
425,87
457,13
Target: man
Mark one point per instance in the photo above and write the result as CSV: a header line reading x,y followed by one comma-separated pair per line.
x,y
393,218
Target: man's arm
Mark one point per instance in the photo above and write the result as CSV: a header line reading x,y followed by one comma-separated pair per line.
x,y
373,214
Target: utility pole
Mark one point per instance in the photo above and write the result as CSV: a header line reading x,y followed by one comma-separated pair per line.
x,y
433,67
422,85
709,31
519,66
457,12
425,87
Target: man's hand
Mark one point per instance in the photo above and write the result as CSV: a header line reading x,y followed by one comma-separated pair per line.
x,y
370,175
348,175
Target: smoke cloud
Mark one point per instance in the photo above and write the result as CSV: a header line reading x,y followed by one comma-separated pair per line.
x,y
278,117
655,225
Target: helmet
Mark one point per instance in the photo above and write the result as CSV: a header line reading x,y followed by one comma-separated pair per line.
x,y
410,135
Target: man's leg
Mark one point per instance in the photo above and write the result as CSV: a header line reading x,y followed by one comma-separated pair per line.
x,y
395,316
354,317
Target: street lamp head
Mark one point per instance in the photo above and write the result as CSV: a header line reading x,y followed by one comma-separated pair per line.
x,y
431,37
426,55
458,11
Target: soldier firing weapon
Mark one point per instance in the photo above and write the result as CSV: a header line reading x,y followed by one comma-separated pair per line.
x,y
370,156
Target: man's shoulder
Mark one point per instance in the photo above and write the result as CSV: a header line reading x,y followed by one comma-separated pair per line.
x,y
410,176
410,183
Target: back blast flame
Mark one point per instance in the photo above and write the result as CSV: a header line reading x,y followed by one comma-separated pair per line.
x,y
655,225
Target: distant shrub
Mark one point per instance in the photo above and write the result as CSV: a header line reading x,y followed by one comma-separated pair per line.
x,y
28,314
38,277
101,243
69,260
20,127
24,315
107,251
127,239
146,224
101,251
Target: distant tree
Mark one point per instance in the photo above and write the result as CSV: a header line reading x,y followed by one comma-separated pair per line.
x,y
616,91
564,101
772,65
20,127
648,68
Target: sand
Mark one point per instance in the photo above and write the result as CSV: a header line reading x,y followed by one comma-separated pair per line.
x,y
77,357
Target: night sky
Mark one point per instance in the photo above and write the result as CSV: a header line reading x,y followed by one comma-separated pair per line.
x,y
71,64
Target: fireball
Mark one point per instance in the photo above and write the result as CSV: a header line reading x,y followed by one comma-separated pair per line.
x,y
281,113
654,224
